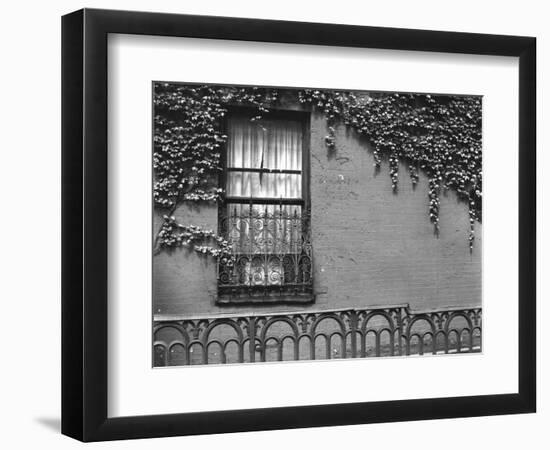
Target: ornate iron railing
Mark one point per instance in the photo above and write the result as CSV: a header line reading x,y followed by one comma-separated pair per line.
x,y
272,254
345,333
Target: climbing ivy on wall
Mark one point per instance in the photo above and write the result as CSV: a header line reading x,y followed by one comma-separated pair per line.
x,y
439,135
186,160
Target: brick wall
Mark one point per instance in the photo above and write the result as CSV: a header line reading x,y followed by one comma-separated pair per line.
x,y
371,247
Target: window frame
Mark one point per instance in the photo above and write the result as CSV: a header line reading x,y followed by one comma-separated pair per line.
x,y
245,295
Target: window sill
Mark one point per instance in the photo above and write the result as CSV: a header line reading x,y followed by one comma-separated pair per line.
x,y
262,298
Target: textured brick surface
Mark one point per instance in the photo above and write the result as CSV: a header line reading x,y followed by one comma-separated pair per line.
x,y
371,247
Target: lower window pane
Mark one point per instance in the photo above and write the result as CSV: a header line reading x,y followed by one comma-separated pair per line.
x,y
264,229
270,246
264,185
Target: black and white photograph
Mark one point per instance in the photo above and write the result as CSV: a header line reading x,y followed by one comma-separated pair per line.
x,y
275,225
295,224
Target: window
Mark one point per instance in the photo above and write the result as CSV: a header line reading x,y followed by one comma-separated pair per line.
x,y
265,216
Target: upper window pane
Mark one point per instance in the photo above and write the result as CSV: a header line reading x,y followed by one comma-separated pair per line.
x,y
268,144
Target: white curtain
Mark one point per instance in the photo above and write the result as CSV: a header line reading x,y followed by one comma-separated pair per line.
x,y
268,144
264,228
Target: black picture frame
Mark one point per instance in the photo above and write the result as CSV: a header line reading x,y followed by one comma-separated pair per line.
x,y
84,224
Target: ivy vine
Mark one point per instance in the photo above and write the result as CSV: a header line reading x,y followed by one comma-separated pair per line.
x,y
186,158
439,135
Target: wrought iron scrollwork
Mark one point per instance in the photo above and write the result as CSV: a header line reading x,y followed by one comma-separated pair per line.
x,y
271,252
